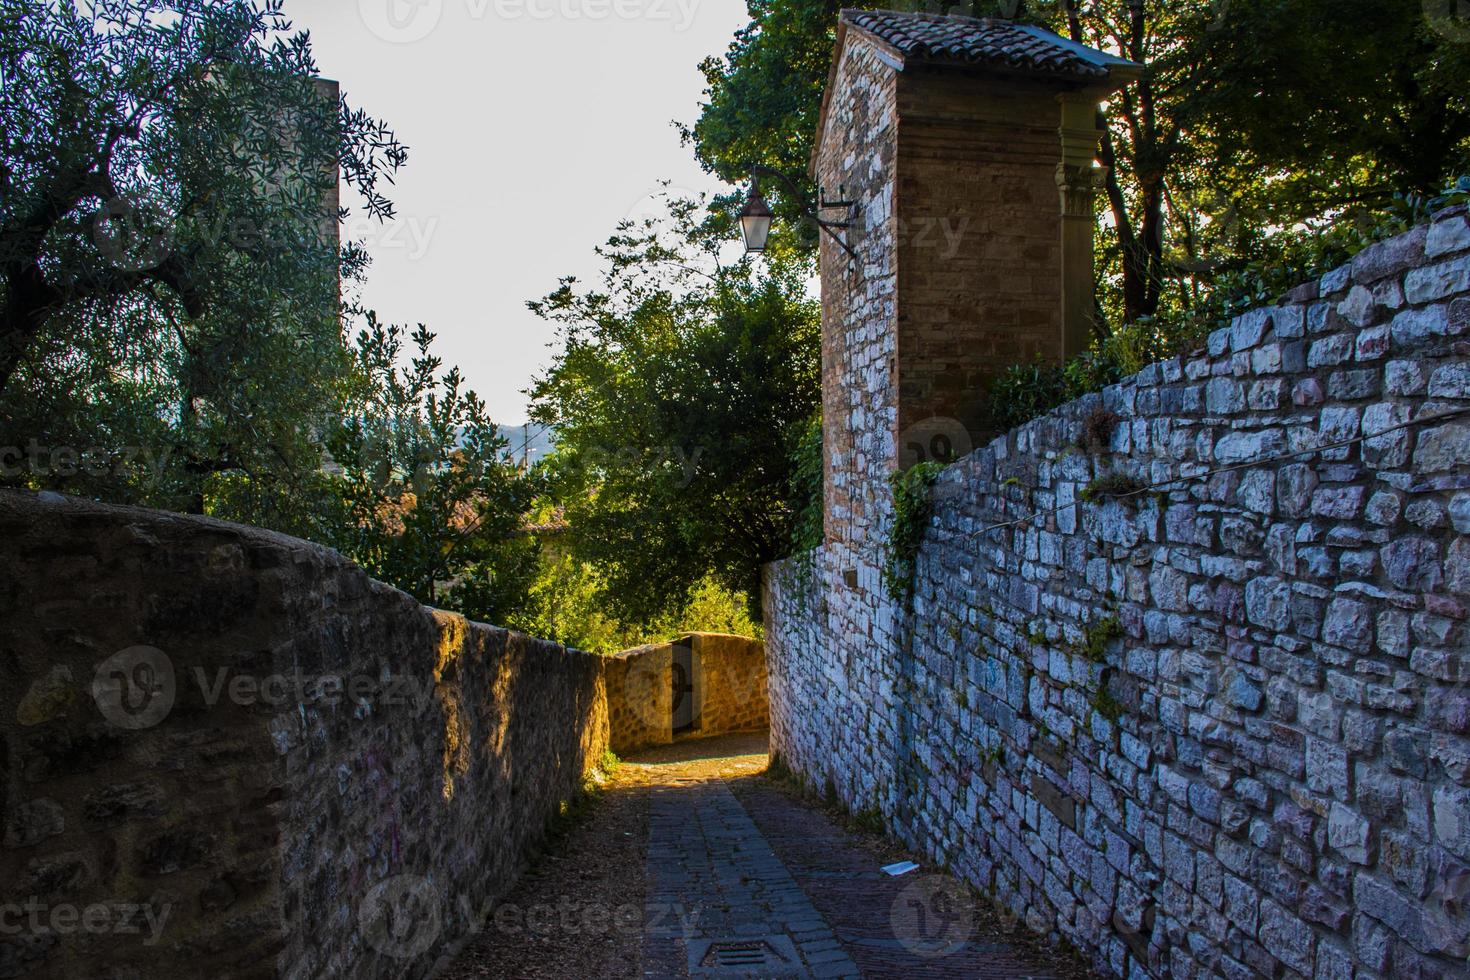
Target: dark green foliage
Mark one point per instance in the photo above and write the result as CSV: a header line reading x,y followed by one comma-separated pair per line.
x,y
1028,391
169,265
912,506
1117,485
1096,637
424,496
1105,704
807,489
680,400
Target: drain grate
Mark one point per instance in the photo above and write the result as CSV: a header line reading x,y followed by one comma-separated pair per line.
x,y
725,955
770,956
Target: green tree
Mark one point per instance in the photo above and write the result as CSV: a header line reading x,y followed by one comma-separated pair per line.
x,y
421,491
1254,114
169,263
678,399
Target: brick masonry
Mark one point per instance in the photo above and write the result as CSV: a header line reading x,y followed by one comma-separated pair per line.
x,y
1265,771
270,764
960,252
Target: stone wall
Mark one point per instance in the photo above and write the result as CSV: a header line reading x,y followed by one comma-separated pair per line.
x,y
729,690
229,753
732,685
856,152
1214,728
640,702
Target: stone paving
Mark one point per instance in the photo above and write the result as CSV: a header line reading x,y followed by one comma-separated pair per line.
x,y
738,876
706,857
745,881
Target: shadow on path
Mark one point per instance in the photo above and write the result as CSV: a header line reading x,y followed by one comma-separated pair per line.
x,y
694,864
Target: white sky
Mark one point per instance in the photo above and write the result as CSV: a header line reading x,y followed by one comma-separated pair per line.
x,y
533,126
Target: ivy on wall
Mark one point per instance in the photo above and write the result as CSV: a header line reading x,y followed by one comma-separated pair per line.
x,y
912,505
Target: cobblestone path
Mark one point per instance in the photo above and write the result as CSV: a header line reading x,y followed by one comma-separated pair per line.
x,y
735,877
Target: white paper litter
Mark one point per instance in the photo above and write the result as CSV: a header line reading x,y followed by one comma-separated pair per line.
x,y
901,868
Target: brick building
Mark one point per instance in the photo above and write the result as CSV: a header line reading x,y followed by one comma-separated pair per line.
x,y
968,146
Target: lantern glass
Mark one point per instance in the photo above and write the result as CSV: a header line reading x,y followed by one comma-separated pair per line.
x,y
757,231
755,221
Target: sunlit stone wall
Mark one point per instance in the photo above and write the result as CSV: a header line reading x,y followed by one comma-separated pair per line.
x,y
1217,727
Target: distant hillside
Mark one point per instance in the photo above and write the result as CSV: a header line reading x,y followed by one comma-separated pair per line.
x,y
528,443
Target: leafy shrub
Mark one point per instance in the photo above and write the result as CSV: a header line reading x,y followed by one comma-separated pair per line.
x,y
806,488
911,509
1028,391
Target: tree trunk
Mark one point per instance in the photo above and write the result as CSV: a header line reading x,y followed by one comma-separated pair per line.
x,y
27,303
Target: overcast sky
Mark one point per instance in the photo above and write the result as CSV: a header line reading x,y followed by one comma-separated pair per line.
x,y
534,126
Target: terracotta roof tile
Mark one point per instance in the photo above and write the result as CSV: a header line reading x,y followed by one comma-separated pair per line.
x,y
940,39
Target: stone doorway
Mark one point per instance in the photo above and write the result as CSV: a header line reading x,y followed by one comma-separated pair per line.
x,y
682,677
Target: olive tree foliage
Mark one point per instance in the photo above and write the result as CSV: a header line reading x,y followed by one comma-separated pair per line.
x,y
169,257
683,386
420,490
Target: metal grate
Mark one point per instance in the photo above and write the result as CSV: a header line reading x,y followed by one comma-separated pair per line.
x,y
750,957
752,954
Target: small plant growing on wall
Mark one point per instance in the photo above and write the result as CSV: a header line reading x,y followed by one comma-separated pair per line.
x,y
911,509
1114,485
1106,705
1095,639
1097,430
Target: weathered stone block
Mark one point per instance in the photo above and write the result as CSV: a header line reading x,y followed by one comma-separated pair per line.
x,y
1427,284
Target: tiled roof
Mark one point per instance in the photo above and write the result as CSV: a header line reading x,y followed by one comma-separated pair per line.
x,y
940,39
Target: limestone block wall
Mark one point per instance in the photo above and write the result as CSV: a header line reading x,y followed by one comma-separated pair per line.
x,y
1219,727
856,153
640,698
733,684
228,753
729,690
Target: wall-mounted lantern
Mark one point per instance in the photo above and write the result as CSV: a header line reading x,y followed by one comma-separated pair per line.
x,y
756,216
755,221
